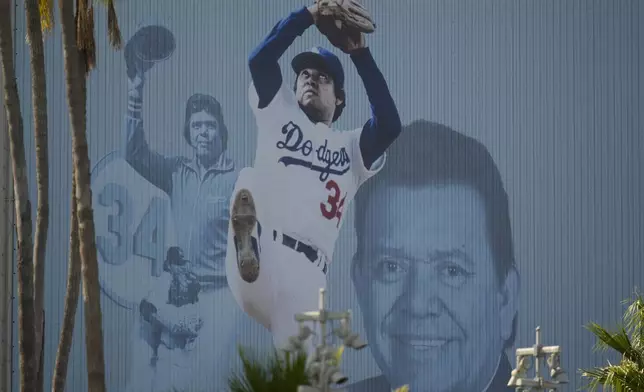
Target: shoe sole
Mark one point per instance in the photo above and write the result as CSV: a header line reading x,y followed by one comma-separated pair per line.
x,y
244,219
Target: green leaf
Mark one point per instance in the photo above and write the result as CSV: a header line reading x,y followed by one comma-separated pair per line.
x,y
628,340
273,373
338,355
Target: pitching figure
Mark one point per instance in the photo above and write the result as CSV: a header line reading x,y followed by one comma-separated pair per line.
x,y
287,209
184,340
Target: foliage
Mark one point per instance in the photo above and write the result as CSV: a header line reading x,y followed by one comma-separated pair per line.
x,y
45,7
627,340
283,373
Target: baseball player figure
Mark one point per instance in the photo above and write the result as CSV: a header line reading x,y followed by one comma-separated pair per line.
x,y
287,209
186,325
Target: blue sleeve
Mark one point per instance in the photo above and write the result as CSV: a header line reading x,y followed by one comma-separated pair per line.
x,y
154,167
384,126
263,61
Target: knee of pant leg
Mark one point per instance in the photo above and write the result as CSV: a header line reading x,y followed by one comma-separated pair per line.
x,y
246,179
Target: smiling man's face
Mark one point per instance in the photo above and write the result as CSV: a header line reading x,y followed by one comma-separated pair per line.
x,y
433,308
205,135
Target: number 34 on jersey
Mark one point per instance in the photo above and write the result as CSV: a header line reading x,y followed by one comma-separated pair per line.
x,y
333,207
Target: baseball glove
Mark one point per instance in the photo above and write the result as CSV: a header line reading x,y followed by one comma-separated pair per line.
x,y
149,45
342,21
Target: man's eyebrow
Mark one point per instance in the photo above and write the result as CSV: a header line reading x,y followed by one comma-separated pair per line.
x,y
204,122
434,256
454,252
391,251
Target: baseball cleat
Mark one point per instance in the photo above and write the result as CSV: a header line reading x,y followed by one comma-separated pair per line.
x,y
244,219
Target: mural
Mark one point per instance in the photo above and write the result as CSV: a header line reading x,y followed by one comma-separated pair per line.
x,y
510,198
435,273
304,175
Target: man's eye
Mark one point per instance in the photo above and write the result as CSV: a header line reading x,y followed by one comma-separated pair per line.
x,y
455,271
390,270
454,275
392,267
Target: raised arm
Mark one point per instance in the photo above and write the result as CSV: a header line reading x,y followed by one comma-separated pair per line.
x,y
263,61
384,126
154,167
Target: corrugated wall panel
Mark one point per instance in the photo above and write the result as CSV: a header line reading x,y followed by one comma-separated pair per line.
x,y
552,89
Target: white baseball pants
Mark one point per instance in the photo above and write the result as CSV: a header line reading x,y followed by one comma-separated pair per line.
x,y
288,281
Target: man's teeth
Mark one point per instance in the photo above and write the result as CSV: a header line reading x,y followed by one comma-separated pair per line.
x,y
427,344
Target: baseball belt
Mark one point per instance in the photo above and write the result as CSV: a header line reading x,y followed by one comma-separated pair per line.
x,y
308,251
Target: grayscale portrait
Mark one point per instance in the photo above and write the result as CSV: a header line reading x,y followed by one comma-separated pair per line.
x,y
182,338
434,270
199,186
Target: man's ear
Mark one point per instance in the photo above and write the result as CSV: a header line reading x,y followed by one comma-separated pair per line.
x,y
339,97
509,296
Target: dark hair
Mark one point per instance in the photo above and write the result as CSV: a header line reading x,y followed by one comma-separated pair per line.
x,y
339,92
428,153
209,104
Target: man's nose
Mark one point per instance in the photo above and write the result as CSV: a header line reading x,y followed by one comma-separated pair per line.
x,y
423,297
313,78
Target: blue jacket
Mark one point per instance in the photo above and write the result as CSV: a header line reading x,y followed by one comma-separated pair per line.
x,y
200,205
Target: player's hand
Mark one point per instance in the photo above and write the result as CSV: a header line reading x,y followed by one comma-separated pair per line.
x,y
313,10
343,38
343,22
135,85
354,42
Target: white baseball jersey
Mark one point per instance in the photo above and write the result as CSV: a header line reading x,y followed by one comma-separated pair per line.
x,y
309,173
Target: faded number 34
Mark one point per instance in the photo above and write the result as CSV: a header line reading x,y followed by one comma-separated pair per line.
x,y
334,205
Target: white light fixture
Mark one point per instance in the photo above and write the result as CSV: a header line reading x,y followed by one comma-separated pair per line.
x,y
322,367
519,378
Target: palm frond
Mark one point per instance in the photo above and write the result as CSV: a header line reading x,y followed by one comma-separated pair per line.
x,y
45,7
254,375
269,374
288,373
113,28
618,341
85,33
634,319
85,39
628,340
626,377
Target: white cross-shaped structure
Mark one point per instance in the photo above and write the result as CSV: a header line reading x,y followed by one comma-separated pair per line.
x,y
520,379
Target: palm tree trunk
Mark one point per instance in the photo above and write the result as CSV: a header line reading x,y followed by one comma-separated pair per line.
x,y
39,102
76,82
71,301
26,327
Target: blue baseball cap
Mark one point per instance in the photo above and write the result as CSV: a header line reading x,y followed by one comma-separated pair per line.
x,y
323,60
